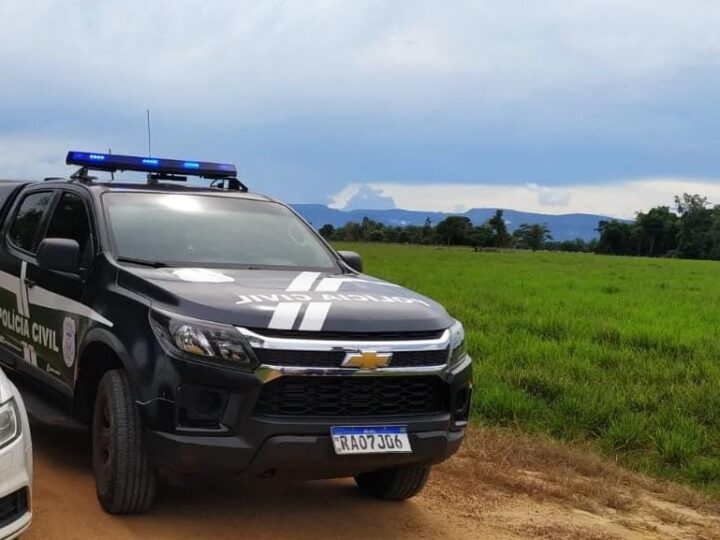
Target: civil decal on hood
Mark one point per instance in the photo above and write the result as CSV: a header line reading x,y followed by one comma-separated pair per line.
x,y
309,300
283,299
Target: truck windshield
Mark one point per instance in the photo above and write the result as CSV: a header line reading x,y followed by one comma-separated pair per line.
x,y
191,229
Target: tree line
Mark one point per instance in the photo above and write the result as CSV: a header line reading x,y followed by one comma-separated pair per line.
x,y
455,231
689,230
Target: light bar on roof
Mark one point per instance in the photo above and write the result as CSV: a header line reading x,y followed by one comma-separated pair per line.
x,y
117,162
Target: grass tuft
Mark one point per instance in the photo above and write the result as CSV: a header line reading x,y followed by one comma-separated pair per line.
x,y
677,445
627,432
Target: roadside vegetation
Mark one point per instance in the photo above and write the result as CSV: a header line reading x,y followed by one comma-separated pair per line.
x,y
455,231
619,353
689,230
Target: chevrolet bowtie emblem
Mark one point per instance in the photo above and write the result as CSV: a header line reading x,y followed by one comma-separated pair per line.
x,y
367,360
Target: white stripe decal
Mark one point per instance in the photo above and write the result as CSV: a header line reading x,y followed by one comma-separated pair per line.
x,y
12,284
43,297
23,300
315,316
21,289
329,285
333,284
29,354
284,315
303,282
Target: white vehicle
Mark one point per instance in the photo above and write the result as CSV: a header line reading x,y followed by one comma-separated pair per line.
x,y
15,463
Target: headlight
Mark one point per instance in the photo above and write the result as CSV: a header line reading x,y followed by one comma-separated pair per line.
x,y
197,339
457,343
9,423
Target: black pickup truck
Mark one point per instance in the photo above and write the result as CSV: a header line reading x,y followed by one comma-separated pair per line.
x,y
207,329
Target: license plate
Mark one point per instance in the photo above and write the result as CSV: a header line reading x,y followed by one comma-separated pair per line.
x,y
370,439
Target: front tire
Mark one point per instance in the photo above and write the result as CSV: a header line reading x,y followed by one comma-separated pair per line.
x,y
394,484
125,481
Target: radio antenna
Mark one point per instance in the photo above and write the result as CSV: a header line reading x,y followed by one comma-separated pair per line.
x,y
148,130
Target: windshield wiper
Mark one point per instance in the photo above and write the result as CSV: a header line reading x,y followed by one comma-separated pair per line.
x,y
142,262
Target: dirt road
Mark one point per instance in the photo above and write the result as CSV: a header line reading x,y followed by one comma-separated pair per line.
x,y
502,486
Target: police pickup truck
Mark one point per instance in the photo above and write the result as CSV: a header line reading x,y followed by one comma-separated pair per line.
x,y
201,328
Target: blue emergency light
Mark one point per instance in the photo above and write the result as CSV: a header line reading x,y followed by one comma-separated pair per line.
x,y
157,166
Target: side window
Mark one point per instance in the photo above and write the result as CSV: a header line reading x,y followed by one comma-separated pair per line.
x,y
70,220
24,229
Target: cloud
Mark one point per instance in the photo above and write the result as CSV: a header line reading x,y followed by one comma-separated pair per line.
x,y
621,199
247,57
308,97
363,197
550,196
412,49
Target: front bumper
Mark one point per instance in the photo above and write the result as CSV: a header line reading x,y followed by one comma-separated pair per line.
x,y
292,456
16,469
247,442
17,527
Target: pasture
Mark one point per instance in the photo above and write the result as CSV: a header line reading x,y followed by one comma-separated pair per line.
x,y
619,354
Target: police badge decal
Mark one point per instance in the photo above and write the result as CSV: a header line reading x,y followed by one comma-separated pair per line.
x,y
69,341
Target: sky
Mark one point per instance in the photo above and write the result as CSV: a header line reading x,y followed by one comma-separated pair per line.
x,y
560,106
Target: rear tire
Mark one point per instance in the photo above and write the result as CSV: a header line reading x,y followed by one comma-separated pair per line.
x,y
394,484
125,481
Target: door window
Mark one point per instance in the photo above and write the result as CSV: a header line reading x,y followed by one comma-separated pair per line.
x,y
70,220
23,232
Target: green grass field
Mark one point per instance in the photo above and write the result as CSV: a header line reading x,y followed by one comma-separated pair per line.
x,y
619,353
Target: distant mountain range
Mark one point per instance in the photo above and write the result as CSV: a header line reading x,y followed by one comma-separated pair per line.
x,y
562,227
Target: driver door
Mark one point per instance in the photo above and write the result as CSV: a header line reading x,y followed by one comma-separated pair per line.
x,y
55,298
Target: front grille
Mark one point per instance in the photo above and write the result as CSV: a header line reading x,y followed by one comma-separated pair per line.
x,y
351,336
277,357
351,396
419,358
13,507
333,359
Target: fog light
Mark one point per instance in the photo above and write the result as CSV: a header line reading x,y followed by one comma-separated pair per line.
x,y
199,407
461,406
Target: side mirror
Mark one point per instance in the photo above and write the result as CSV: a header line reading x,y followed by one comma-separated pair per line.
x,y
59,254
352,259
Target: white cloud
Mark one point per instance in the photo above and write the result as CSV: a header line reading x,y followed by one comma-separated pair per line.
x,y
414,48
362,197
341,198
621,199
547,196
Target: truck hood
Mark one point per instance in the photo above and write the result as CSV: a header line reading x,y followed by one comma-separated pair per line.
x,y
287,300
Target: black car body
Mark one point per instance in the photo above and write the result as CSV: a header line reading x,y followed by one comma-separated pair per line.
x,y
233,364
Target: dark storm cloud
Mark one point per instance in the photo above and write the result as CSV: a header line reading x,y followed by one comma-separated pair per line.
x,y
309,97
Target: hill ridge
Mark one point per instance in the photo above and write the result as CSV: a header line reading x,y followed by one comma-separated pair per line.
x,y
562,226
